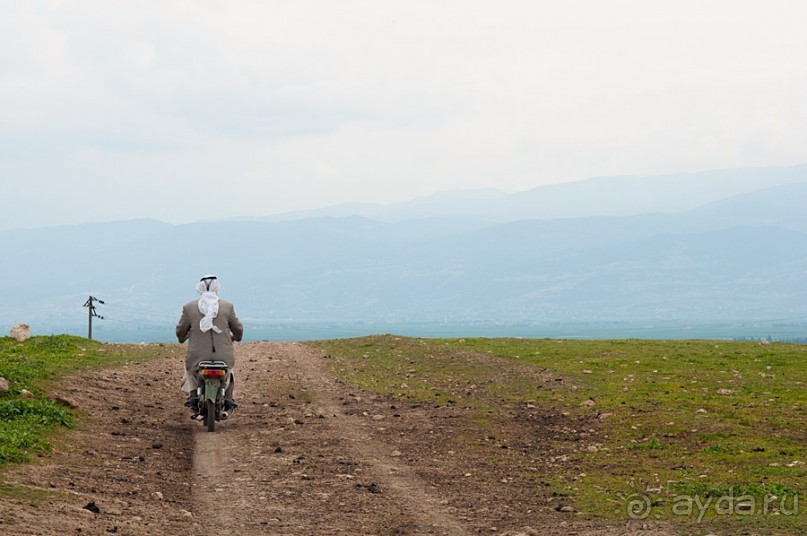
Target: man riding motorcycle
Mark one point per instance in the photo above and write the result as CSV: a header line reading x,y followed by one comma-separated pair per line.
x,y
210,326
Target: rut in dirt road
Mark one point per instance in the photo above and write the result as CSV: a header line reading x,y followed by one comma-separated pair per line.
x,y
295,459
305,454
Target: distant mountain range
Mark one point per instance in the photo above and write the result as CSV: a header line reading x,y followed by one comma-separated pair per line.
x,y
604,196
724,245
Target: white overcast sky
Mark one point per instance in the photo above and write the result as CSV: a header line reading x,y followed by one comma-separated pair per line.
x,y
186,110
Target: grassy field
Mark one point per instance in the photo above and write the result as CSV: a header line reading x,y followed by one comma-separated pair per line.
x,y
27,416
699,434
692,433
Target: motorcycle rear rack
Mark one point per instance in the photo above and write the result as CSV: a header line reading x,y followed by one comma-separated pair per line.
x,y
212,365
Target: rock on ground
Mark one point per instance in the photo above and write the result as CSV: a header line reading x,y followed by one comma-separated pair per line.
x,y
21,332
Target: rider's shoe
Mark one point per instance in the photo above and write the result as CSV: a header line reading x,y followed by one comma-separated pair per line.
x,y
230,405
192,403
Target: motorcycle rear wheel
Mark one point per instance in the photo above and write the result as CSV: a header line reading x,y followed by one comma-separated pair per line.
x,y
211,415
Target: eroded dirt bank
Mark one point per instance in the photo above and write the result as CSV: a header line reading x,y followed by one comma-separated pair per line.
x,y
304,454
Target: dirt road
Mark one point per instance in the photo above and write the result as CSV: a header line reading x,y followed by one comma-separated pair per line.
x,y
304,454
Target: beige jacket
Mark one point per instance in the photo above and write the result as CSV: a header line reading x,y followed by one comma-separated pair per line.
x,y
200,344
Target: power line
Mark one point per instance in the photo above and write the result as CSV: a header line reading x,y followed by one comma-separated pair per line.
x,y
92,313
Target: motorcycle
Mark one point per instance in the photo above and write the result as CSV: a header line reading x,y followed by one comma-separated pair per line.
x,y
213,379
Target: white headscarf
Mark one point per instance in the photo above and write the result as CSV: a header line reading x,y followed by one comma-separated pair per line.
x,y
208,289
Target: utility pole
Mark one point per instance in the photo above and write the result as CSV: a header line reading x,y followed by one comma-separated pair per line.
x,y
92,313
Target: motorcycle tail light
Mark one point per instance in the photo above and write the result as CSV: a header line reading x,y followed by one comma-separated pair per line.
x,y
213,373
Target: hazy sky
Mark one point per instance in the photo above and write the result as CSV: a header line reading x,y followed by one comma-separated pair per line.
x,y
184,110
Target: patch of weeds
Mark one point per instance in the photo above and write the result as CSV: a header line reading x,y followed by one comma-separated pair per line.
x,y
409,369
27,417
23,426
35,412
714,416
717,449
725,490
18,439
33,496
652,444
298,395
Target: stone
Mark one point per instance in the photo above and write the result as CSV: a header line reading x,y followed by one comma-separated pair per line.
x,y
4,385
25,393
21,332
113,510
64,401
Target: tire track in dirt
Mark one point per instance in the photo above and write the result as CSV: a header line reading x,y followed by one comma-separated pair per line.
x,y
303,455
293,461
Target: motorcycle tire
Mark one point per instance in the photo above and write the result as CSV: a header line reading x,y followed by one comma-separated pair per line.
x,y
211,415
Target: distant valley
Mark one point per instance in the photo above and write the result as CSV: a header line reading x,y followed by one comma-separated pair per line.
x,y
717,248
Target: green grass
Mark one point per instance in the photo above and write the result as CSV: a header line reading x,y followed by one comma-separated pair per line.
x,y
30,495
683,419
34,366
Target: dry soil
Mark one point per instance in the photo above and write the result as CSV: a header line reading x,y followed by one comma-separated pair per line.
x,y
304,454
